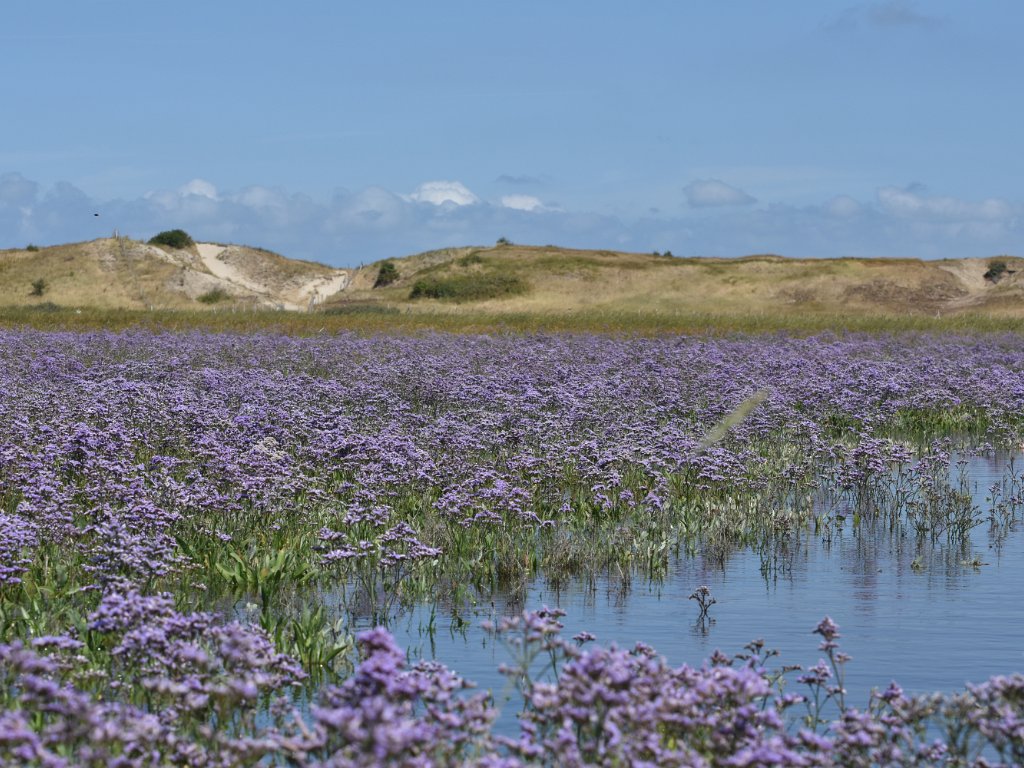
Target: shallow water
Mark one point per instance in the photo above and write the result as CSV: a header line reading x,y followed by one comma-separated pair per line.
x,y
933,627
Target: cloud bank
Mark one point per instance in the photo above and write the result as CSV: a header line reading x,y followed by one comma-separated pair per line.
x,y
442,192
353,227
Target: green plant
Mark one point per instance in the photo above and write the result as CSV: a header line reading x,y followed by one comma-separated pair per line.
x,y
321,648
38,287
386,275
996,269
504,241
264,574
471,287
31,247
172,238
213,296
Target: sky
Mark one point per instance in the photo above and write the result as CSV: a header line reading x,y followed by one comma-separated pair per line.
x,y
347,132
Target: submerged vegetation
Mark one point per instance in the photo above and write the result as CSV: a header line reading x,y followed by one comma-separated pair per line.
x,y
194,528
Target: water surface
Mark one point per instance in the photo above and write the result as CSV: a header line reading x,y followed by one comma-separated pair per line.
x,y
931,618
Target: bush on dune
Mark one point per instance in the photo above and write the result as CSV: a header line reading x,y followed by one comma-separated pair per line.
x,y
172,238
472,287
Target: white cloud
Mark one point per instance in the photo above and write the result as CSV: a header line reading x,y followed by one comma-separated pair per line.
x,y
373,207
199,188
197,195
522,203
907,203
441,192
712,193
373,223
259,197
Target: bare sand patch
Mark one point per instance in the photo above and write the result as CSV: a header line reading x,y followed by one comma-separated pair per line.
x,y
243,268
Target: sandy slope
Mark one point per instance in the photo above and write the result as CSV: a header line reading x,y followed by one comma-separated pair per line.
x,y
209,252
292,292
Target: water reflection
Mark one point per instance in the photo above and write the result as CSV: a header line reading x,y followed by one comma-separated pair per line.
x,y
924,608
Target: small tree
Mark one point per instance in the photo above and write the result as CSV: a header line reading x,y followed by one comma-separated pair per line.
x,y
38,287
504,241
386,275
172,238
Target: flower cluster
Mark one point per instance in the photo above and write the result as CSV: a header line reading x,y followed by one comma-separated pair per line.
x,y
148,479
602,706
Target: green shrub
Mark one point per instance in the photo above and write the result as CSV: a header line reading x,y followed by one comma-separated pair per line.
x,y
996,269
504,241
172,238
31,247
472,287
38,287
386,275
213,296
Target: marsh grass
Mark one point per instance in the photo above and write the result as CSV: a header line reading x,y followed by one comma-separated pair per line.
x,y
279,571
374,318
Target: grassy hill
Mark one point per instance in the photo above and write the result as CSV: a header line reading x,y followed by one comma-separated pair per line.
x,y
547,280
118,283
118,273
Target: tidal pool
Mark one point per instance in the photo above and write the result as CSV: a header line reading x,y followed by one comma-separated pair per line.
x,y
931,618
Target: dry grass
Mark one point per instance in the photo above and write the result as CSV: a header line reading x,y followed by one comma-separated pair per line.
x,y
125,274
86,274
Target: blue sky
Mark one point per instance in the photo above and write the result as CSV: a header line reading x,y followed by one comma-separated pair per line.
x,y
346,132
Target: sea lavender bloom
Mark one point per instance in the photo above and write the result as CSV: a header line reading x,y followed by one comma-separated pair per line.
x,y
17,537
386,714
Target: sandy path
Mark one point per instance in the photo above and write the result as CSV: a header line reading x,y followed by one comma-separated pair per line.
x,y
319,288
300,297
209,252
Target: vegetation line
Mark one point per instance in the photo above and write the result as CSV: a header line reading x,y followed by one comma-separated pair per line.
x,y
374,318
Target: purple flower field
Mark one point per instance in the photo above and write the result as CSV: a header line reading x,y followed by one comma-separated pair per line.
x,y
174,509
